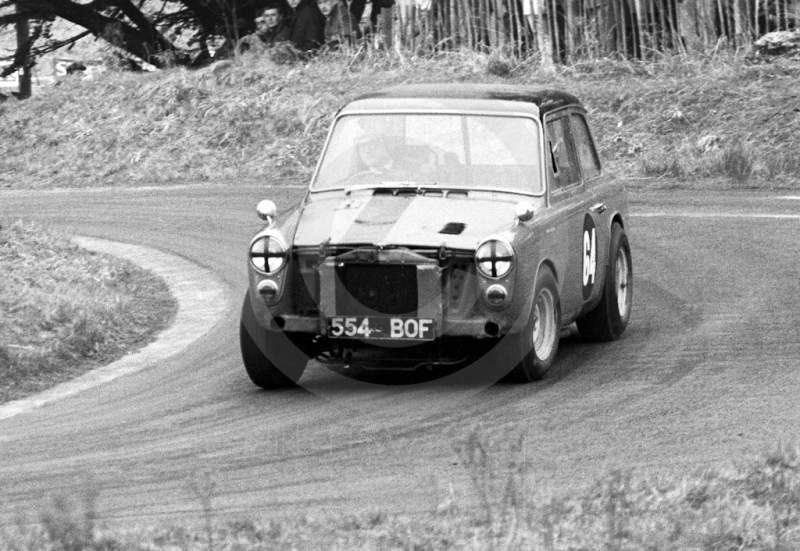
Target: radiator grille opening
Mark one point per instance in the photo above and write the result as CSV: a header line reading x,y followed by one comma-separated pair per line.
x,y
370,289
456,284
306,285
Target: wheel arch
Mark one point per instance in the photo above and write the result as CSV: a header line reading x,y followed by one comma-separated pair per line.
x,y
528,307
546,262
552,266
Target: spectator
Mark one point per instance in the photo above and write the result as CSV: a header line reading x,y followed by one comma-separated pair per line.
x,y
262,30
271,26
340,25
307,26
357,8
230,47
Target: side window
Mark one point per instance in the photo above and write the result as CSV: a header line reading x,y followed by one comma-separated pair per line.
x,y
585,147
562,158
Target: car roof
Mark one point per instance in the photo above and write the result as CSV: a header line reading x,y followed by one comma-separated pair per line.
x,y
480,97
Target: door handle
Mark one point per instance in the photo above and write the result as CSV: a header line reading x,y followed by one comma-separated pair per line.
x,y
599,208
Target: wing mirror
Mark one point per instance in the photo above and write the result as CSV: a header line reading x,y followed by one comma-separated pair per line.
x,y
267,210
523,211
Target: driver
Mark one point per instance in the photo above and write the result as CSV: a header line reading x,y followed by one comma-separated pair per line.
x,y
374,154
387,157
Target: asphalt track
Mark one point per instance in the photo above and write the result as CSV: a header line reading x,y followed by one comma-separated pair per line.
x,y
706,374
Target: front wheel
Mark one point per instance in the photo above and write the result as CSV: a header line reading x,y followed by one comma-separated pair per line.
x,y
610,318
538,341
271,358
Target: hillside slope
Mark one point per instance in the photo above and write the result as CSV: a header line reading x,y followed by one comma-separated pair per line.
x,y
710,122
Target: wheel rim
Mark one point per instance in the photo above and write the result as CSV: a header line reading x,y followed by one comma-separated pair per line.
x,y
544,324
622,282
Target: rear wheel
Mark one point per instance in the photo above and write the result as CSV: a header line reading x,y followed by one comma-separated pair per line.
x,y
272,359
538,341
609,319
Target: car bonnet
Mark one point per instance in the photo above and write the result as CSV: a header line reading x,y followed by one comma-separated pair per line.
x,y
459,221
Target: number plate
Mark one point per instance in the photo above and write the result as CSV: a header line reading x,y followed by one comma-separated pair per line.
x,y
367,327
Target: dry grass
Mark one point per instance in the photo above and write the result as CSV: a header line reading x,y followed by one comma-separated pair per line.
x,y
755,505
64,309
672,120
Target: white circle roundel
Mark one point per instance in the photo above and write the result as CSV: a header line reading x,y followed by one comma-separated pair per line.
x,y
589,255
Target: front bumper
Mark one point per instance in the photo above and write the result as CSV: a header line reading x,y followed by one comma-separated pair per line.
x,y
444,288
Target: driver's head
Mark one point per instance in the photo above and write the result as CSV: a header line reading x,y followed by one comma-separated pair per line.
x,y
374,152
372,142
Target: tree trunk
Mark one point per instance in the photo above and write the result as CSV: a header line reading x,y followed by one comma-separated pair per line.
x,y
569,31
388,16
23,51
543,36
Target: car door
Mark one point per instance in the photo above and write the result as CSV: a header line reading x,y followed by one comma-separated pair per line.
x,y
596,224
566,196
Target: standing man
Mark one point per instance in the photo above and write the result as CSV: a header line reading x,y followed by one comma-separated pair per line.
x,y
357,8
340,25
307,27
271,26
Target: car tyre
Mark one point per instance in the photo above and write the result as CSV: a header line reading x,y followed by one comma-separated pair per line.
x,y
272,359
609,319
538,341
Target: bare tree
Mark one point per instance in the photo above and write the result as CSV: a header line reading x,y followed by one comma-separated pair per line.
x,y
140,28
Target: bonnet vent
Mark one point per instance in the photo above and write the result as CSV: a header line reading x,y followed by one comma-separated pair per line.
x,y
453,228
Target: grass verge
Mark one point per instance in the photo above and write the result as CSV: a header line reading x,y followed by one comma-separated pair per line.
x,y
717,120
64,310
752,506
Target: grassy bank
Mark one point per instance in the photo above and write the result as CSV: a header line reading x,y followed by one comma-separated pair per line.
x,y
755,505
64,310
716,121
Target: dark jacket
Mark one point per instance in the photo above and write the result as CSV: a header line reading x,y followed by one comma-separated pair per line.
x,y
341,26
281,33
307,26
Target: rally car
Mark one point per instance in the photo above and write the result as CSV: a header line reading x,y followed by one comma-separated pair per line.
x,y
443,224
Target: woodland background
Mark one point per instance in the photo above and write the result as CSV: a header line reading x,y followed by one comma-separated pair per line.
x,y
165,33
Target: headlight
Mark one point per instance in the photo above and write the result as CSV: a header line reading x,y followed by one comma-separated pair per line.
x,y
494,258
268,254
496,295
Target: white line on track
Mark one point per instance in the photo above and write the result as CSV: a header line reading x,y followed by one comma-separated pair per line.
x,y
201,303
714,215
140,189
791,197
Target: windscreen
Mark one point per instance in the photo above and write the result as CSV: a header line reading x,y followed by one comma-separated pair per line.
x,y
460,150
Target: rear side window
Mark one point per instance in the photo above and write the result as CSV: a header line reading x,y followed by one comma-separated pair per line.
x,y
562,158
590,164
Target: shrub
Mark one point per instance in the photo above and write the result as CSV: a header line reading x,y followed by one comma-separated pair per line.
x,y
70,524
499,67
736,162
664,167
783,164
